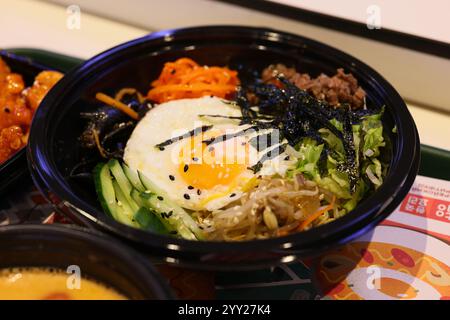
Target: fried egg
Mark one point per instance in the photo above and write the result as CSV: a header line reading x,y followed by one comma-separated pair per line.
x,y
180,146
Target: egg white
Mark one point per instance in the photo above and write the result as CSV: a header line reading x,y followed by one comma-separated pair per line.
x,y
174,118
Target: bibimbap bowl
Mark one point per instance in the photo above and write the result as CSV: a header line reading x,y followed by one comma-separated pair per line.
x,y
54,149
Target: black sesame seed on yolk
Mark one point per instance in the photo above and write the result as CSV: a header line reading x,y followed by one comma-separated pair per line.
x,y
186,196
201,168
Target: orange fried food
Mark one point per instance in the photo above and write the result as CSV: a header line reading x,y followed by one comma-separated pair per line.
x,y
11,140
184,78
13,108
42,84
17,106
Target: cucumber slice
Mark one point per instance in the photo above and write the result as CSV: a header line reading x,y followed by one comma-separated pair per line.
x,y
149,221
135,195
105,190
133,176
124,183
125,213
150,186
171,214
119,190
180,215
150,202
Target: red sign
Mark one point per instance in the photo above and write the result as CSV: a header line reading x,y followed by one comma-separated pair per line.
x,y
426,207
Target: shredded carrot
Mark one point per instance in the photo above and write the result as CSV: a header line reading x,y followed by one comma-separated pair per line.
x,y
117,104
285,232
122,92
184,78
98,144
316,214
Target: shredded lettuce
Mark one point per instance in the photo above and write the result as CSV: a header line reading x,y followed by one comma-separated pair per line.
x,y
374,172
372,128
334,143
368,139
309,157
361,189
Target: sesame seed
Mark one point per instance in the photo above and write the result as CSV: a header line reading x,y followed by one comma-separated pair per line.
x,y
186,196
166,215
190,187
232,195
286,158
171,177
194,159
161,148
199,192
186,168
160,198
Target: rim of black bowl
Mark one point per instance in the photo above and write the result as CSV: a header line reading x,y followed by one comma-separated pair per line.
x,y
404,162
149,277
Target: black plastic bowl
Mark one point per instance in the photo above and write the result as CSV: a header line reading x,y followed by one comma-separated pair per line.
x,y
99,257
54,149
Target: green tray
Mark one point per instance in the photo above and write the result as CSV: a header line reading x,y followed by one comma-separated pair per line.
x,y
284,282
47,58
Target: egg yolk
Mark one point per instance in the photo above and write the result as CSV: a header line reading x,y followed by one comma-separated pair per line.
x,y
204,166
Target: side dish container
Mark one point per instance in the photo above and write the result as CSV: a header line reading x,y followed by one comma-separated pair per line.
x,y
99,257
16,166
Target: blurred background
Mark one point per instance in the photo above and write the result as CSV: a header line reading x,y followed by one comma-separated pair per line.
x,y
408,42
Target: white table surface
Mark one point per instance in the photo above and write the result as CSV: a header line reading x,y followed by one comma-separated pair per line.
x,y
35,24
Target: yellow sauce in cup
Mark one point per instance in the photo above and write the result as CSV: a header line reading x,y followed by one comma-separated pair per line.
x,y
50,284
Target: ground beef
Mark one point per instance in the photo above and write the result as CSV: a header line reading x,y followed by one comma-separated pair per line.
x,y
336,90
